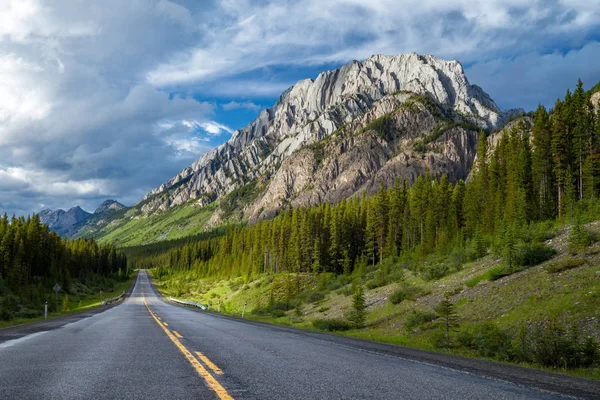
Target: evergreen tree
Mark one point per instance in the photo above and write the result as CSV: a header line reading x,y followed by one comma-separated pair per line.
x,y
447,316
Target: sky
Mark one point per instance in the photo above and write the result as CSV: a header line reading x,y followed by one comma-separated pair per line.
x,y
110,98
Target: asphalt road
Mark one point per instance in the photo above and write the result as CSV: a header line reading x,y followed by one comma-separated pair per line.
x,y
145,348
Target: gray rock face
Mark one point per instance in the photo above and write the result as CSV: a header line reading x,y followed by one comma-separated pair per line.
x,y
63,222
347,98
595,99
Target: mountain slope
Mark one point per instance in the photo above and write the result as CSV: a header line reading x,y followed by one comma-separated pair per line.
x,y
345,132
312,110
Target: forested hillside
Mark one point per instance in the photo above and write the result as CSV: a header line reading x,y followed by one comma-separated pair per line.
x,y
33,260
500,266
520,178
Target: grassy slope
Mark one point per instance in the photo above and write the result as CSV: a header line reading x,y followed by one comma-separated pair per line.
x,y
521,298
79,302
136,228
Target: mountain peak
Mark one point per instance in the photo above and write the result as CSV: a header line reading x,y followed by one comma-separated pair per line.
x,y
109,205
313,109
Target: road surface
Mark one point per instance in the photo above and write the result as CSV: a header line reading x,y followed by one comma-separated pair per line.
x,y
145,348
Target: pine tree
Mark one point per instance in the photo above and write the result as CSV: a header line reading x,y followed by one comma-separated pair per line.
x,y
560,153
447,315
359,307
542,165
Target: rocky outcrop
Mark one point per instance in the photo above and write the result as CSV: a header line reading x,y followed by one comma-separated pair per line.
x,y
312,110
349,164
595,99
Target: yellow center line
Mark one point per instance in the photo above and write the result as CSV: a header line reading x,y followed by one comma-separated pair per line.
x,y
177,334
210,364
165,323
203,372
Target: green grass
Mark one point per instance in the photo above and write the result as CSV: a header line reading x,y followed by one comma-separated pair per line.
x,y
524,298
91,301
490,275
181,221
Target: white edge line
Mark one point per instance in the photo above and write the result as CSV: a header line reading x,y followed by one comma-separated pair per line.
x,y
19,340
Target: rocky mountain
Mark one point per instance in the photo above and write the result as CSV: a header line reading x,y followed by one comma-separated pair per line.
x,y
76,222
63,222
108,206
341,134
349,98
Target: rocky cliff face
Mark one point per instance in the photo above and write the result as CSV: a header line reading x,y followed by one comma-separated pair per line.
x,y
272,148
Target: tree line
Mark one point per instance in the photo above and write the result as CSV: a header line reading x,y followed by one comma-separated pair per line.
x,y
519,177
31,254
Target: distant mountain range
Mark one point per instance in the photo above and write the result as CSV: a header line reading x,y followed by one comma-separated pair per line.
x,y
71,223
344,133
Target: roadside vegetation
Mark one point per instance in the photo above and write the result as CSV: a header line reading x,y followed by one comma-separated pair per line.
x,y
33,260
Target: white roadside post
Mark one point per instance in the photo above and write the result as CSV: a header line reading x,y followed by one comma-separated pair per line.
x,y
46,310
219,306
244,310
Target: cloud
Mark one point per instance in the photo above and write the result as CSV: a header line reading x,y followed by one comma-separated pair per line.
x,y
272,33
234,105
534,78
97,99
215,128
78,122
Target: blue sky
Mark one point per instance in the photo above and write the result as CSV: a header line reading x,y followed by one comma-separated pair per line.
x,y
108,99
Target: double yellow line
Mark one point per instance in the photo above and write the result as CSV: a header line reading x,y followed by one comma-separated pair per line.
x,y
203,372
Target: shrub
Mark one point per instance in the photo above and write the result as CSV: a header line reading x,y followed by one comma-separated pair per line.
x,y
580,238
555,346
434,271
5,315
530,254
466,337
564,265
380,279
496,273
28,313
331,325
491,341
311,296
404,292
418,318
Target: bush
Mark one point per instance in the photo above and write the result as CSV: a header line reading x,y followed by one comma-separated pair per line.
x,y
28,313
580,238
311,296
555,346
275,309
530,254
564,265
380,279
492,341
404,292
434,271
466,337
418,318
5,315
331,325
